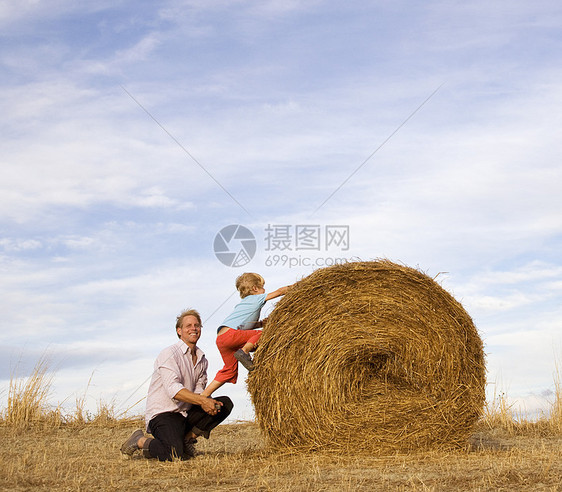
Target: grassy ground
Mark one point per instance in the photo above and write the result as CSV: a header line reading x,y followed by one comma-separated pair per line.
x,y
42,450
86,457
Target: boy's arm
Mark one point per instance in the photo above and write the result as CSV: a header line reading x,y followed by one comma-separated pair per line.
x,y
277,293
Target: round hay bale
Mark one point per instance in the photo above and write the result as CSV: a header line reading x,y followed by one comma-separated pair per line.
x,y
368,357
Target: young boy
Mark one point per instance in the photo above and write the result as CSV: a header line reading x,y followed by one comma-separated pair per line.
x,y
237,336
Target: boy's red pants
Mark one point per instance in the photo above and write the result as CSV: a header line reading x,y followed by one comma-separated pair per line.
x,y
228,343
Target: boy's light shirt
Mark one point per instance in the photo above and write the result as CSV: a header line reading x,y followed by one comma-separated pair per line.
x,y
246,313
173,371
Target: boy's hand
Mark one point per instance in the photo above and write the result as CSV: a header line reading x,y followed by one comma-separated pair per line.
x,y
276,293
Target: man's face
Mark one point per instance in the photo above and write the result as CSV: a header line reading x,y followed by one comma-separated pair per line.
x,y
190,330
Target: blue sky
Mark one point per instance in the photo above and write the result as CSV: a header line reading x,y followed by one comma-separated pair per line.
x,y
133,132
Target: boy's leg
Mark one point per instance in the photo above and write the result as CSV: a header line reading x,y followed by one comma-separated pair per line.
x,y
168,429
243,355
249,347
252,342
201,423
212,387
228,343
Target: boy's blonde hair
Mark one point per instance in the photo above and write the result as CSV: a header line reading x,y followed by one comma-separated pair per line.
x,y
247,281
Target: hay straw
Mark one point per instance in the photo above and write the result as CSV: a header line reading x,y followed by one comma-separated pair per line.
x,y
368,357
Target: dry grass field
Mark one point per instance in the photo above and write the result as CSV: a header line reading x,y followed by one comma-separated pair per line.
x,y
44,450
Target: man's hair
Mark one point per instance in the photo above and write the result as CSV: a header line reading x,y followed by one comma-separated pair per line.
x,y
187,312
247,281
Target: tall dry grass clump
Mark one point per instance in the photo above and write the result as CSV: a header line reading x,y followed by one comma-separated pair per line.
x,y
368,357
27,405
501,415
27,399
556,411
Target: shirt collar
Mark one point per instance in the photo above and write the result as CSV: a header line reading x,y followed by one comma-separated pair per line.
x,y
185,349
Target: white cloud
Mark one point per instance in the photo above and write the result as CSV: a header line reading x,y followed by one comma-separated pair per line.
x,y
499,303
24,13
534,271
78,154
11,245
140,51
11,12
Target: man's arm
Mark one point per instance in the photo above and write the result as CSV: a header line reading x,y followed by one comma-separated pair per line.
x,y
170,374
207,404
277,293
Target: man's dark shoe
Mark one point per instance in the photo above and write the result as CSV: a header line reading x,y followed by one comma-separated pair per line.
x,y
130,445
189,450
244,359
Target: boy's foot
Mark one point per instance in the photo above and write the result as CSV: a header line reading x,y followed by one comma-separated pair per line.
x,y
130,445
244,359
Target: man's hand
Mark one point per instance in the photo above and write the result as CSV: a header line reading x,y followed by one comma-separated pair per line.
x,y
211,406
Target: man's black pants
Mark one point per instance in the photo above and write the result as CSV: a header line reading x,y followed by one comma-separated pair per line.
x,y
169,429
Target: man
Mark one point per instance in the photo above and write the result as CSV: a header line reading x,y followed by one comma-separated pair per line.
x,y
176,412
